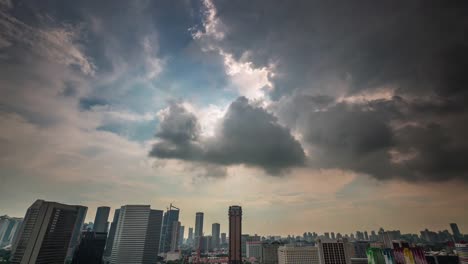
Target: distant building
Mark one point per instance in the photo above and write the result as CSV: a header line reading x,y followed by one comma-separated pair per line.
x,y
333,252
8,228
429,236
244,239
110,237
101,223
223,239
360,248
190,236
270,252
47,232
456,232
254,249
170,216
290,254
175,236
235,231
462,252
181,235
215,233
198,228
360,261
137,235
91,248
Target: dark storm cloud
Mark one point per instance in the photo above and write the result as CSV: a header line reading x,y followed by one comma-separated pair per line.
x,y
327,51
247,135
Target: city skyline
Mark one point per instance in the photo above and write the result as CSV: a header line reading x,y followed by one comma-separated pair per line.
x,y
311,115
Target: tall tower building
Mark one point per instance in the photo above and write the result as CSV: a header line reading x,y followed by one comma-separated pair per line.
x,y
190,235
181,235
8,228
91,248
110,237
223,239
170,216
455,231
47,232
215,233
198,228
175,236
100,221
235,234
137,235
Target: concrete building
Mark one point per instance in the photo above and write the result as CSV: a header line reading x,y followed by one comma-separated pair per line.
x,y
254,250
8,228
175,236
360,248
181,235
190,236
91,248
223,239
47,233
333,252
456,232
235,231
101,223
137,235
291,254
215,233
198,228
270,252
110,237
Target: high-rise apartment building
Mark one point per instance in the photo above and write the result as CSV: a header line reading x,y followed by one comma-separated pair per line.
x,y
110,237
198,228
8,228
91,248
215,233
170,216
291,254
47,232
333,252
137,235
235,232
101,223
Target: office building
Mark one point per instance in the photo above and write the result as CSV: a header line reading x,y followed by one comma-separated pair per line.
x,y
75,239
91,248
137,235
456,232
333,252
181,235
46,233
270,252
254,250
223,239
244,239
101,223
170,216
110,237
235,231
198,228
215,233
8,228
360,249
291,254
190,236
175,236
462,252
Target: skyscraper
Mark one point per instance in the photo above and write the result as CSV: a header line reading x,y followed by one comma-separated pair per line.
x,y
175,236
235,233
91,248
170,216
137,235
456,232
223,239
110,237
46,233
8,228
181,235
190,236
215,230
198,228
100,221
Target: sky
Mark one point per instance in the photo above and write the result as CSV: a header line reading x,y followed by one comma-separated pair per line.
x,y
312,115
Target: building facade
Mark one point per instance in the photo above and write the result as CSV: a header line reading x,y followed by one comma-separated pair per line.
x,y
8,228
235,231
333,252
91,248
170,216
462,252
291,254
198,228
47,233
137,235
110,237
254,250
215,233
101,223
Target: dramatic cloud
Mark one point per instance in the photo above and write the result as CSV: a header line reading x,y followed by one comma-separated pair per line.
x,y
247,135
378,88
